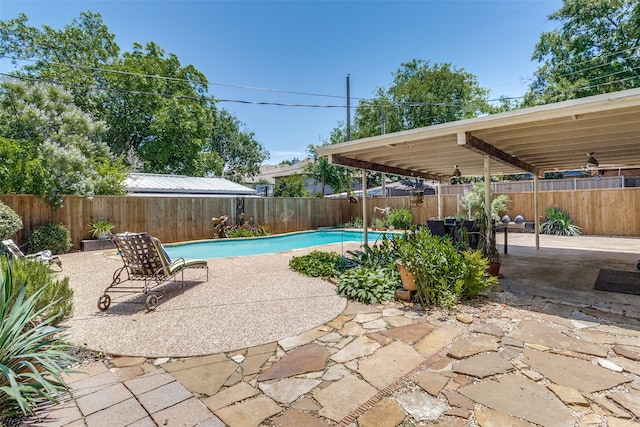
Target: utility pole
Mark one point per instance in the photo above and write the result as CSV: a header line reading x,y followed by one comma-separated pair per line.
x,y
348,108
383,130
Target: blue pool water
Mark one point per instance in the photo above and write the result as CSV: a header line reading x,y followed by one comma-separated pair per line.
x,y
223,248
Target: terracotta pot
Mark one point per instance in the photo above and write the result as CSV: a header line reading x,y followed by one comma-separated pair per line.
x,y
408,279
494,269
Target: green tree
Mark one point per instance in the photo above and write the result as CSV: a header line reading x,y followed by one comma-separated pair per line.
x,y
338,178
290,186
240,153
433,94
157,110
164,120
72,55
60,149
595,50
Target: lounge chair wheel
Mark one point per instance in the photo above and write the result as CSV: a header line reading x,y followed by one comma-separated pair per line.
x,y
104,302
152,302
638,264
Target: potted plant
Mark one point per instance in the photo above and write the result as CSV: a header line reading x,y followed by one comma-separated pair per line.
x,y
442,274
101,228
486,241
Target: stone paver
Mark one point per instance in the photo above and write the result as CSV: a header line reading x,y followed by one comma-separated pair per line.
x,y
572,372
434,341
409,334
389,363
230,395
288,390
342,397
537,332
308,358
94,402
422,406
294,418
206,378
164,396
249,413
360,347
302,339
483,365
190,412
431,382
492,418
522,398
120,414
630,401
148,382
469,346
386,411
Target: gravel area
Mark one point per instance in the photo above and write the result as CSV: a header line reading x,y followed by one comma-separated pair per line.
x,y
247,301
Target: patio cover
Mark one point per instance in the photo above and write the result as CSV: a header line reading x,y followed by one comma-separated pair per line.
x,y
552,137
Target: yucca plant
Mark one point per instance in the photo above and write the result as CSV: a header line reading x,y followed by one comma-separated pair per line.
x,y
559,223
32,358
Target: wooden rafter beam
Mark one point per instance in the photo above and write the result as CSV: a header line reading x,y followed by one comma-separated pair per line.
x,y
361,164
477,145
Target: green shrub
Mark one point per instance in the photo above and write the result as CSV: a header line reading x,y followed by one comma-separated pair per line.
x,y
400,219
247,230
54,237
32,359
37,276
559,223
368,286
318,264
444,275
10,222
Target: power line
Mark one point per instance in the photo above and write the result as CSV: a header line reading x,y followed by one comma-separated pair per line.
x,y
283,104
178,79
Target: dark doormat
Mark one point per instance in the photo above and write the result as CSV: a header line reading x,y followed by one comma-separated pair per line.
x,y
625,282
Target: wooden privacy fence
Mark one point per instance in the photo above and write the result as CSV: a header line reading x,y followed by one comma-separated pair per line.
x,y
610,212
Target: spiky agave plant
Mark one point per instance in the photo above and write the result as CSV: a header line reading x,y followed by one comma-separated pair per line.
x,y
32,357
559,223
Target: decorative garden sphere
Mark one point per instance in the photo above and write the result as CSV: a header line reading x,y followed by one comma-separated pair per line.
x,y
519,219
506,219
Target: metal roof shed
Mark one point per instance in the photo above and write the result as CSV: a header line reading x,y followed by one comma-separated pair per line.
x,y
146,184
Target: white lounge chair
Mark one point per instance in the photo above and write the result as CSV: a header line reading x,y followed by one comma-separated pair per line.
x,y
45,257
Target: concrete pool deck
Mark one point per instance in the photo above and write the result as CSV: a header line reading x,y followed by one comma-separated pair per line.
x,y
395,364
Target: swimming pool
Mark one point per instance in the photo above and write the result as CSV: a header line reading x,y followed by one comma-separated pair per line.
x,y
223,248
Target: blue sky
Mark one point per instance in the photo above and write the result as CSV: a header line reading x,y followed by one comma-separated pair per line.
x,y
311,46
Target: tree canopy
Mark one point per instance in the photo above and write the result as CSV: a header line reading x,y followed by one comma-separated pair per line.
x,y
593,51
155,111
51,147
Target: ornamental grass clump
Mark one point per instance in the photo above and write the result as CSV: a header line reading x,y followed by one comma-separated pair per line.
x,y
32,357
57,295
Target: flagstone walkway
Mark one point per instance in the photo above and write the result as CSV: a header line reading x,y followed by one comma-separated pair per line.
x,y
486,364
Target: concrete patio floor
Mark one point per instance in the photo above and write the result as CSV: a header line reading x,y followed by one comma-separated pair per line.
x,y
542,349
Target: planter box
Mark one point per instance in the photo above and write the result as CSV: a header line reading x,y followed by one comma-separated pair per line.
x,y
96,245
